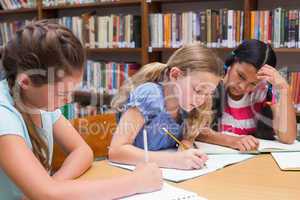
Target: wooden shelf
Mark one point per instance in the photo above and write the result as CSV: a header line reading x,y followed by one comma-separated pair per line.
x,y
18,11
119,3
180,1
174,49
277,50
287,50
113,50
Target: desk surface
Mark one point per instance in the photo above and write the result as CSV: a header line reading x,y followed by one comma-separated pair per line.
x,y
254,179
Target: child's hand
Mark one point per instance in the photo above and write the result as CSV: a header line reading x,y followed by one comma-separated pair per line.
x,y
148,177
190,159
271,75
245,143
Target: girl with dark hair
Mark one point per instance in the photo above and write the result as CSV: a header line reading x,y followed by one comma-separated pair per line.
x,y
258,101
43,63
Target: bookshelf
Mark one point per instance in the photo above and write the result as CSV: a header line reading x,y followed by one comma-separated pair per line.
x,y
144,8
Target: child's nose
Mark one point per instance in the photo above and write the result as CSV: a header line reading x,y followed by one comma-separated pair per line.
x,y
242,86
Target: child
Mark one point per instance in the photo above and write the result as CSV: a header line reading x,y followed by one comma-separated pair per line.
x,y
175,96
257,97
35,62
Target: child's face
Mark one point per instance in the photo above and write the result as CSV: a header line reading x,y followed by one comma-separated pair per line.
x,y
194,89
241,79
49,97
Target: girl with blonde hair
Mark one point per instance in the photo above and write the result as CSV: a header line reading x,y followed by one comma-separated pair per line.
x,y
175,96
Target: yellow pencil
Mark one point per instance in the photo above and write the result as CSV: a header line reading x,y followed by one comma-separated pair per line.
x,y
178,142
174,138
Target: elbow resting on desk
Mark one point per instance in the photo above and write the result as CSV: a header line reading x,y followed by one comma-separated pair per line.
x,y
287,137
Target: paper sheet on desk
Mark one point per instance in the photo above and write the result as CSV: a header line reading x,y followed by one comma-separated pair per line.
x,y
214,163
288,160
168,192
265,146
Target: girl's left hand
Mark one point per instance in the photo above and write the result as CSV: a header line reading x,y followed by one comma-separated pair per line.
x,y
271,75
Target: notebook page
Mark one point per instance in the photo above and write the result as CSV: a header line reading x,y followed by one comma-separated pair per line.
x,y
274,145
214,163
215,149
168,192
287,160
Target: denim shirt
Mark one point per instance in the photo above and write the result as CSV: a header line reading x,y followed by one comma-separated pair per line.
x,y
148,98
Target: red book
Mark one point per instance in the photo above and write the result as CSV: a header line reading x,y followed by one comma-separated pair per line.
x,y
121,74
270,28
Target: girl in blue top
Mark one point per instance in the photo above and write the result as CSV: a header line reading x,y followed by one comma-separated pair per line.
x,y
43,63
175,96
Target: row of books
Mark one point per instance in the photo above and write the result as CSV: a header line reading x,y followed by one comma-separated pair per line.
x,y
17,4
75,110
48,3
72,2
279,27
106,76
7,30
114,31
214,28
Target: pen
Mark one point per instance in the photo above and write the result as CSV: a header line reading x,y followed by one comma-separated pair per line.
x,y
146,145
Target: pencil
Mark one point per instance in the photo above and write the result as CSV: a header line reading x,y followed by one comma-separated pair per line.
x,y
174,138
146,145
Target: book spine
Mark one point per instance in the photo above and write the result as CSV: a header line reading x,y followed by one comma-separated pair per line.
x,y
203,27
230,29
208,27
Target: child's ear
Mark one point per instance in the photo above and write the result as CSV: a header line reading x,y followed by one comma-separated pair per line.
x,y
175,73
23,81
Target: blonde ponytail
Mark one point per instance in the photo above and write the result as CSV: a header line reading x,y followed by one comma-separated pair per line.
x,y
152,72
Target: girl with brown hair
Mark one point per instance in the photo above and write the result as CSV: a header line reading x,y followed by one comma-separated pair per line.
x,y
43,63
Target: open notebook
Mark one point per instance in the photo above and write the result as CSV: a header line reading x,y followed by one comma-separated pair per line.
x,y
265,146
168,192
288,161
214,163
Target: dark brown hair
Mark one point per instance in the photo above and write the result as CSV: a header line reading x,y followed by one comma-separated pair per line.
x,y
41,45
